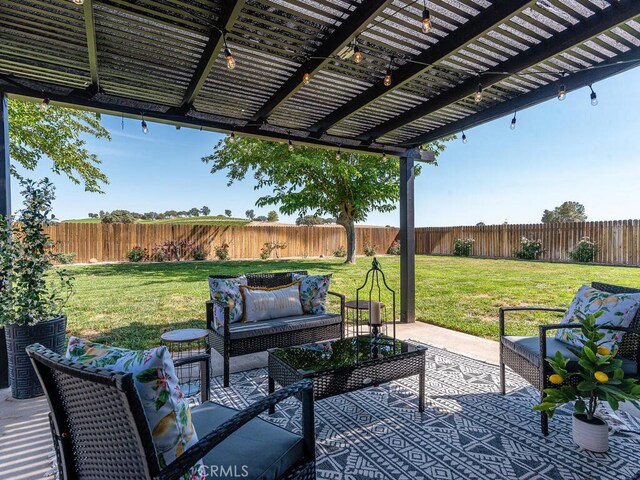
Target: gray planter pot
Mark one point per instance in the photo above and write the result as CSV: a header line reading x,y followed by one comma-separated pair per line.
x,y
22,377
590,435
4,363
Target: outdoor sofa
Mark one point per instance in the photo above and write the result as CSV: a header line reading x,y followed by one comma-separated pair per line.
x,y
234,339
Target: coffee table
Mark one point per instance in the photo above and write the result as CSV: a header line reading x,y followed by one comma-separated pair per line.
x,y
348,364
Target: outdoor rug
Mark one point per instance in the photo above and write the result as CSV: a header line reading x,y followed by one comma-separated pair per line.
x,y
468,430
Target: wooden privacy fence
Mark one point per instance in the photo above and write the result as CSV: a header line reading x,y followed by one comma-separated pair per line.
x,y
618,241
111,242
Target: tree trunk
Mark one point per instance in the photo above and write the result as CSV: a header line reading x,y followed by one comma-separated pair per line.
x,y
347,221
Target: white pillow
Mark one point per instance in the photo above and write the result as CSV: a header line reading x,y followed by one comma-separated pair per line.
x,y
268,303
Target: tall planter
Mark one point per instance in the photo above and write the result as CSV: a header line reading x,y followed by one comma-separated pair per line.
x,y
22,377
4,365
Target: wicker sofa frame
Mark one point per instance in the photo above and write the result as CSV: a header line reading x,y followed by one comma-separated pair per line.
x,y
100,430
537,374
229,347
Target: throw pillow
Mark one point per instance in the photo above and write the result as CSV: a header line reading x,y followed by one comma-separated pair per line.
x,y
227,290
313,292
268,303
619,310
165,407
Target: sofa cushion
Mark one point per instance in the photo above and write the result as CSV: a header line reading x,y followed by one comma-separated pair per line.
x,y
529,348
258,449
278,325
267,303
227,290
313,292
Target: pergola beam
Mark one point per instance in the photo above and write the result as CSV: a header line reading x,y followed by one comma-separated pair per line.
x,y
90,28
230,11
357,21
601,21
534,97
455,40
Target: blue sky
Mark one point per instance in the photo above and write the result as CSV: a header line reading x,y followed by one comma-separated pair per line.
x,y
559,151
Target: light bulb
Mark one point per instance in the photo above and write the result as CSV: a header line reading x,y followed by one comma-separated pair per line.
x,y
464,138
562,92
338,155
594,98
78,2
513,123
426,21
387,78
290,146
478,95
145,129
384,157
45,104
357,54
231,63
306,78
232,137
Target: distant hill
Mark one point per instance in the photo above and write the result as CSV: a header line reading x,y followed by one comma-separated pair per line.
x,y
213,220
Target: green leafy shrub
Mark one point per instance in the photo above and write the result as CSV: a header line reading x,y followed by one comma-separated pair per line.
x,y
394,249
585,251
67,258
222,252
340,252
268,247
159,253
369,249
137,254
198,254
462,247
529,249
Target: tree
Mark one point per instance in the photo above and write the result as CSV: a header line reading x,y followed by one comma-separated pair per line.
x,y
118,216
567,212
205,210
272,216
194,212
93,215
227,212
250,214
309,220
56,133
261,218
312,180
480,224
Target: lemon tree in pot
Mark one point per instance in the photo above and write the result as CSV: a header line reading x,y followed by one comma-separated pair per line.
x,y
597,377
34,292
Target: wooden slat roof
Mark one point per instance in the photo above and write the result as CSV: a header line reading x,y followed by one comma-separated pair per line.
x,y
165,59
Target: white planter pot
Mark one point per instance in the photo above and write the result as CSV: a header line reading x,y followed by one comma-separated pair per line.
x,y
593,436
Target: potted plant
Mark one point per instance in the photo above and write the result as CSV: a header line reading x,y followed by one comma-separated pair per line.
x,y
598,377
33,292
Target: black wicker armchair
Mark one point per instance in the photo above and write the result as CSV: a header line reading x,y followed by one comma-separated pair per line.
x,y
526,355
100,429
231,340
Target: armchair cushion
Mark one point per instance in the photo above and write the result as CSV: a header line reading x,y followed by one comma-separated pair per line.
x,y
618,310
228,291
313,292
167,411
258,449
529,348
279,325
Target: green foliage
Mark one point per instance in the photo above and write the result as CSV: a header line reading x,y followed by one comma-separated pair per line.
x,y
67,258
137,254
199,254
205,211
227,212
394,249
369,248
567,212
529,249
585,251
250,214
599,376
27,255
462,247
57,134
340,251
269,247
118,216
222,252
272,216
309,220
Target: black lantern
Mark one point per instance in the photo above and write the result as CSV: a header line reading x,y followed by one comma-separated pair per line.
x,y
369,299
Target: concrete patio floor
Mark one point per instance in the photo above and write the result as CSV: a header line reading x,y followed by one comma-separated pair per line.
x,y
25,440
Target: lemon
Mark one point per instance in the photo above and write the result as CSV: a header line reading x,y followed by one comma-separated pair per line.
x,y
601,376
556,379
604,351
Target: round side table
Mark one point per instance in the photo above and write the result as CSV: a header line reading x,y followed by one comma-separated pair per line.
x,y
353,312
187,342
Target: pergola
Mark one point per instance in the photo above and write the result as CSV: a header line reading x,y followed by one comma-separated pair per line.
x,y
426,69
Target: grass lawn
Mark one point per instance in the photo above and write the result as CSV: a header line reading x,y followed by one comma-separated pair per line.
x,y
130,305
211,220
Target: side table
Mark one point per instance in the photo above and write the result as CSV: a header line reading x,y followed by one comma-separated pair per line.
x,y
186,342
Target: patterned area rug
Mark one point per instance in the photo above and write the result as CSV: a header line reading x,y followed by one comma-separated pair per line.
x,y
468,430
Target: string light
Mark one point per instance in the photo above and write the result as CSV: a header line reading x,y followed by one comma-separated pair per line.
x,y
513,122
594,97
426,19
290,146
357,55
338,154
464,137
45,104
306,78
562,92
384,156
78,2
143,124
231,63
387,77
478,95
232,137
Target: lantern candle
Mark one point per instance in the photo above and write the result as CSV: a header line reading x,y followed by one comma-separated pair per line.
x,y
374,314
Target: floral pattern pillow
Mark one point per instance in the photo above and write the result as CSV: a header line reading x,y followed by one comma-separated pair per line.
x,y
313,292
619,310
165,407
227,290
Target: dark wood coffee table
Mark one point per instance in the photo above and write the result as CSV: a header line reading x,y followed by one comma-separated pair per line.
x,y
345,365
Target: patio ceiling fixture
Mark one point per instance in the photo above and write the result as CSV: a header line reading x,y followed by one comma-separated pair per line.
x,y
143,124
594,97
426,19
387,77
513,122
478,95
45,103
464,137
